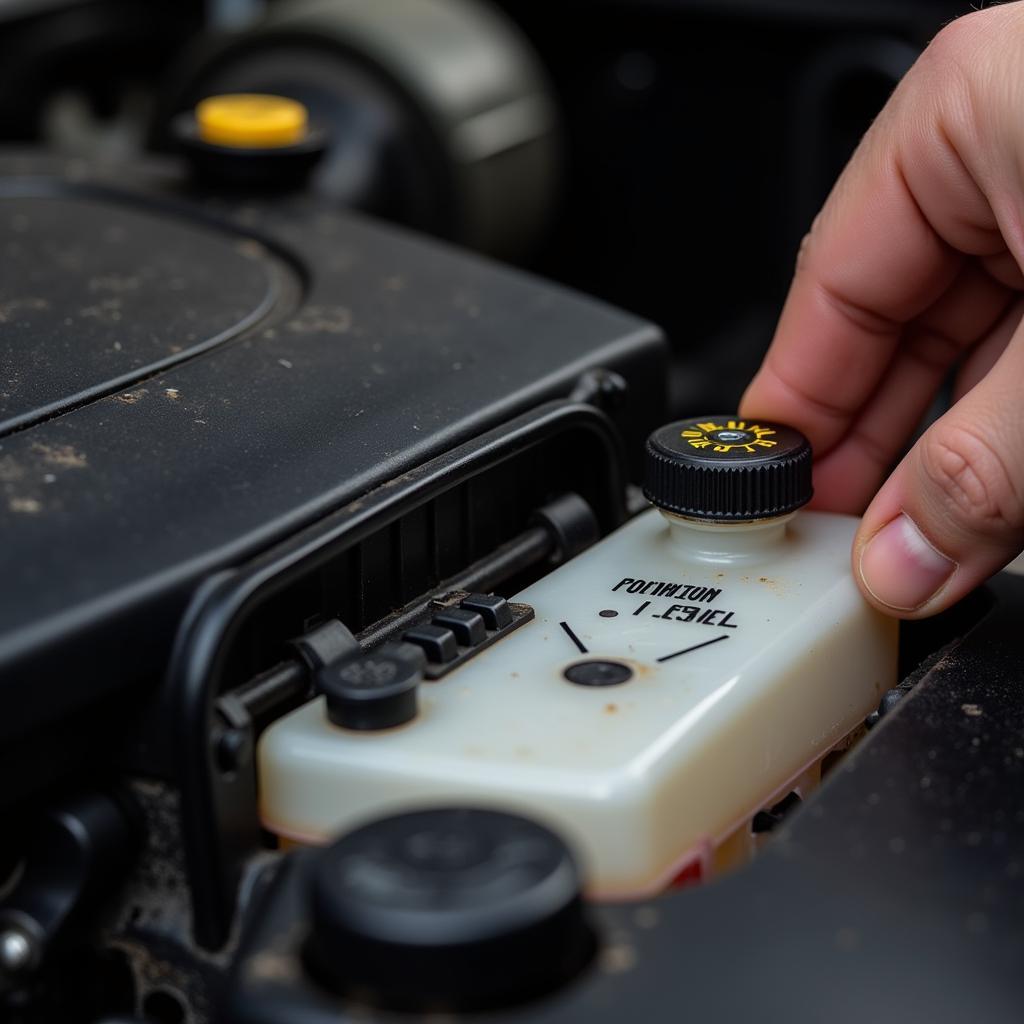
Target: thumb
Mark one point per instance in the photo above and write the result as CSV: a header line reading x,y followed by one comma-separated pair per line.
x,y
952,513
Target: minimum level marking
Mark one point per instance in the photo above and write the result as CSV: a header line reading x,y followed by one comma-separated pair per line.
x,y
574,638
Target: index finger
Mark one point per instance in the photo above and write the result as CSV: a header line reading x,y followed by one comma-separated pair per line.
x,y
888,243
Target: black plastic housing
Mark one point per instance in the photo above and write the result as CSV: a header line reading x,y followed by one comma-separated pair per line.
x,y
174,432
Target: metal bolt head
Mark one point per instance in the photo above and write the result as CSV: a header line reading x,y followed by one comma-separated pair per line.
x,y
15,951
233,750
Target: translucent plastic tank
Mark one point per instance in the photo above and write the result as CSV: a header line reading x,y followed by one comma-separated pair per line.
x,y
682,675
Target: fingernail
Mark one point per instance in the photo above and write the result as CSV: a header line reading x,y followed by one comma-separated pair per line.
x,y
900,567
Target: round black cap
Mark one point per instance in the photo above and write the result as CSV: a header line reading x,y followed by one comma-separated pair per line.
x,y
728,469
454,906
373,689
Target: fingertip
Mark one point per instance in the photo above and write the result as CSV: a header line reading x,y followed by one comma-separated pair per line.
x,y
747,406
901,572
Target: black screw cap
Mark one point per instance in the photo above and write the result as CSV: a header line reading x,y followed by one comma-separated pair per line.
x,y
727,469
451,906
373,689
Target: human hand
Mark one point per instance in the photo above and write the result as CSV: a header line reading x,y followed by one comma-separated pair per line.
x,y
913,267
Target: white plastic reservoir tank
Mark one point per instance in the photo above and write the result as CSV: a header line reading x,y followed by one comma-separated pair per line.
x,y
682,675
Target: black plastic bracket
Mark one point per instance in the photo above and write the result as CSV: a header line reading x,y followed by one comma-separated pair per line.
x,y
75,853
325,644
220,815
521,614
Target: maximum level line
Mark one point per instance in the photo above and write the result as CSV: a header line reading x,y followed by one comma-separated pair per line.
x,y
695,647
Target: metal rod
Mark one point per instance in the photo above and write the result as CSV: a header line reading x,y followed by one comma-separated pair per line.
x,y
289,680
533,546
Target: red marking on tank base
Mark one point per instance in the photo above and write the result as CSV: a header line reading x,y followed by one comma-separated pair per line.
x,y
691,873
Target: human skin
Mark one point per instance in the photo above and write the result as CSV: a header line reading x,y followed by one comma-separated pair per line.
x,y
912,268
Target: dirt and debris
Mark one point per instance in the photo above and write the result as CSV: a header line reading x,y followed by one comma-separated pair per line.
x,y
250,248
268,965
114,283
971,710
131,397
107,311
776,586
26,506
646,917
65,456
11,471
321,319
23,479
9,309
616,958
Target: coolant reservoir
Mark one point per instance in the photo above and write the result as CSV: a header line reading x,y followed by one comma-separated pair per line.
x,y
683,675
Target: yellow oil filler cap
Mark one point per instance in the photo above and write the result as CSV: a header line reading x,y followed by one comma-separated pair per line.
x,y
251,121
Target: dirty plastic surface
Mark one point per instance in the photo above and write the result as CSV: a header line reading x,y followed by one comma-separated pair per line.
x,y
750,654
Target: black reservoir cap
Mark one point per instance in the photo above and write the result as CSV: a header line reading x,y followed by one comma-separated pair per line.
x,y
373,689
726,469
453,906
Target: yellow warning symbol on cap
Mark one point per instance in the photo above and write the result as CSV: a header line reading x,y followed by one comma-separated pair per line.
x,y
251,121
730,435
